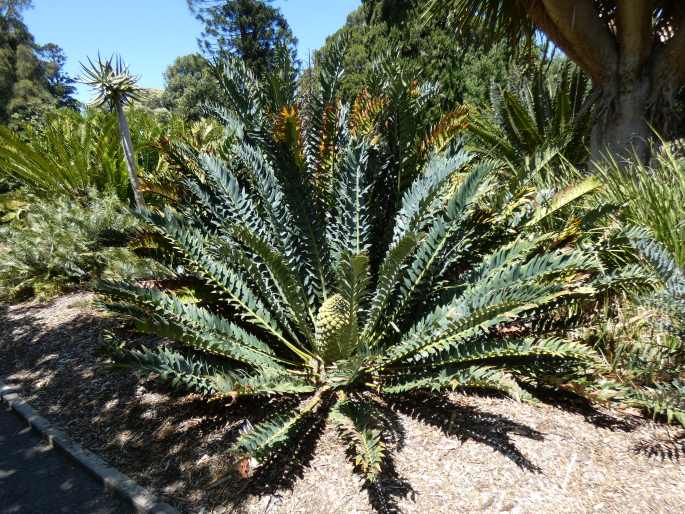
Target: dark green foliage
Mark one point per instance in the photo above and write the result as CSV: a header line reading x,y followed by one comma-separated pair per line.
x,y
71,153
60,84
189,86
377,29
491,19
252,30
462,290
31,77
67,155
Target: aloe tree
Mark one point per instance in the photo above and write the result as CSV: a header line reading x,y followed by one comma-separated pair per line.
x,y
304,303
633,50
116,87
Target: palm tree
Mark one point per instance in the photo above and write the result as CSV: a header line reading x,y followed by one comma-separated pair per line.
x,y
634,51
116,87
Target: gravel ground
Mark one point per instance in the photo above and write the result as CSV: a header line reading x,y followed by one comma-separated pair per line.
x,y
455,453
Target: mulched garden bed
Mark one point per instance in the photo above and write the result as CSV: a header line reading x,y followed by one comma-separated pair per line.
x,y
456,453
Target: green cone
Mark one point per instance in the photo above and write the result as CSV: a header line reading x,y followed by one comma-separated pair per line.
x,y
336,329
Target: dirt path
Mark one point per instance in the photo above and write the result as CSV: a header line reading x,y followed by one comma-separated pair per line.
x,y
457,454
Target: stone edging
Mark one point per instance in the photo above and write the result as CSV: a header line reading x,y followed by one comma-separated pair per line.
x,y
115,481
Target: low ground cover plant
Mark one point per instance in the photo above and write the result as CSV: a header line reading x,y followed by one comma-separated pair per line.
x,y
65,243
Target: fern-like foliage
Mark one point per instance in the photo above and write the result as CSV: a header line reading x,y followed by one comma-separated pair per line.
x,y
307,302
64,243
70,154
665,399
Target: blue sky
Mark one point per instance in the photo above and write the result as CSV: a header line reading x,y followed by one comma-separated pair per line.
x,y
149,34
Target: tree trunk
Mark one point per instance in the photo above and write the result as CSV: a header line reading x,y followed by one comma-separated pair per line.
x,y
622,131
634,70
127,144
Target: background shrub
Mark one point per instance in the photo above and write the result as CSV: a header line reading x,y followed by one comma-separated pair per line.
x,y
60,244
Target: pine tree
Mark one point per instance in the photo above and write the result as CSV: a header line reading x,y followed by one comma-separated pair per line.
x,y
31,76
250,29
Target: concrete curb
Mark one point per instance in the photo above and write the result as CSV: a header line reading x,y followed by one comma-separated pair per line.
x,y
141,500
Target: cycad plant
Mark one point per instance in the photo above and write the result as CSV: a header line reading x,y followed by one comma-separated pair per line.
x,y
664,393
69,154
116,87
542,115
63,243
462,293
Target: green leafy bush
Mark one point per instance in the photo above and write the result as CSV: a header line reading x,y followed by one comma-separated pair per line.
x,y
65,243
332,282
72,153
68,155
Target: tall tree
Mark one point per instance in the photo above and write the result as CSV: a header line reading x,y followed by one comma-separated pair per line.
x,y
250,29
116,87
395,27
31,76
634,51
13,8
59,83
189,86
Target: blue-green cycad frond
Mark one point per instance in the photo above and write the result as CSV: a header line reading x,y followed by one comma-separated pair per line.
x,y
669,297
243,92
534,115
423,197
348,225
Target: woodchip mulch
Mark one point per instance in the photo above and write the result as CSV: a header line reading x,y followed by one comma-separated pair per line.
x,y
455,453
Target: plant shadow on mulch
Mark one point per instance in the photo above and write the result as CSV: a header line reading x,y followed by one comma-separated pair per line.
x,y
454,420
284,469
177,443
671,448
575,404
458,420
59,363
